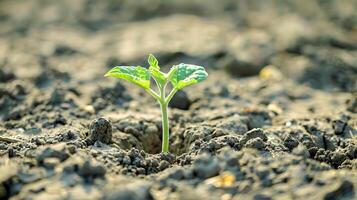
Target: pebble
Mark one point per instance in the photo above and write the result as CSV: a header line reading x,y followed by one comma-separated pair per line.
x,y
206,166
100,130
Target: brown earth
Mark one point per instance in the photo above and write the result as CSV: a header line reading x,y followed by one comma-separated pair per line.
x,y
276,118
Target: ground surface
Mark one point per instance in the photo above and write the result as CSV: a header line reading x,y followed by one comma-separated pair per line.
x,y
275,120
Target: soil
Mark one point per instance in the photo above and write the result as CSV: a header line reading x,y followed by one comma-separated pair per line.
x,y
276,119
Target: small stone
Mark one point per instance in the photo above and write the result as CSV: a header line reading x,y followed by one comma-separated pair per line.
x,y
256,143
351,151
180,101
163,165
205,166
11,152
270,72
254,133
290,142
301,151
89,108
154,162
72,149
338,126
100,130
140,170
343,189
126,160
38,141
338,158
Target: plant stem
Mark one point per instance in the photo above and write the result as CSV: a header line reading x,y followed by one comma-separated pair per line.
x,y
153,94
169,97
165,119
165,127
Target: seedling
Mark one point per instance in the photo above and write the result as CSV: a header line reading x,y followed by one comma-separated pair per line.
x,y
179,76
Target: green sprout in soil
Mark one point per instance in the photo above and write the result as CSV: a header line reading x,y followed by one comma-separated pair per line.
x,y
179,76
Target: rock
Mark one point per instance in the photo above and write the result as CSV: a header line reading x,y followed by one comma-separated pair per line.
x,y
339,126
206,166
331,143
11,152
340,189
141,170
290,142
163,165
126,160
254,133
338,158
100,130
180,101
351,151
169,157
72,149
256,143
301,151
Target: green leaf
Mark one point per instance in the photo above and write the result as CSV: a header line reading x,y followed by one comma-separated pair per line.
x,y
186,74
159,76
153,61
137,75
154,69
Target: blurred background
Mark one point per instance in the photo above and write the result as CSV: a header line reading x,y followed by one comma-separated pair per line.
x,y
287,67
311,42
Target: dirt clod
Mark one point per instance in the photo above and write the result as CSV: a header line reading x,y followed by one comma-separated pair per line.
x,y
100,130
340,190
205,166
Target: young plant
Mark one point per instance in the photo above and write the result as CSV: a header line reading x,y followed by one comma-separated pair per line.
x,y
179,76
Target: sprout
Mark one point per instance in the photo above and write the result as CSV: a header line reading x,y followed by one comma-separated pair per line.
x,y
179,76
